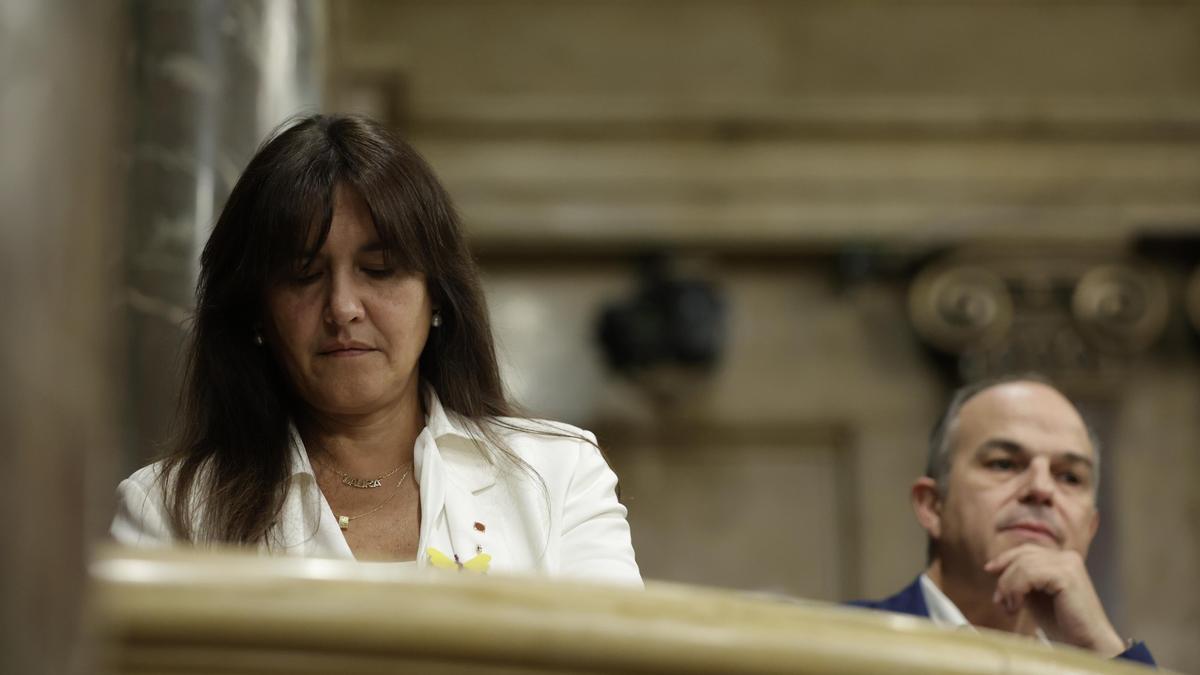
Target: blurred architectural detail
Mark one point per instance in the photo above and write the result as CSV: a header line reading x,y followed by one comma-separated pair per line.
x,y
1078,318
210,80
961,307
61,183
1191,299
247,615
769,124
1121,308
671,322
818,156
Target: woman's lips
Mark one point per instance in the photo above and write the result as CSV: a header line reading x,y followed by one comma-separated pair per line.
x,y
347,353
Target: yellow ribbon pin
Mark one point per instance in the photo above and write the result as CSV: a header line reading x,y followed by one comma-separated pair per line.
x,y
477,565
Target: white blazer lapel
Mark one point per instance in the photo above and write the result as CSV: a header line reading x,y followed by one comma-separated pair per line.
x,y
471,525
430,473
466,524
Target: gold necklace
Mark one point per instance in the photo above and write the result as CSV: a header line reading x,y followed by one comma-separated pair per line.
x,y
344,521
361,483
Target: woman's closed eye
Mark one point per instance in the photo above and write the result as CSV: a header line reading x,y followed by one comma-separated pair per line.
x,y
307,276
379,271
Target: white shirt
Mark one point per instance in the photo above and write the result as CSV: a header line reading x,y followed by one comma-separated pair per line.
x,y
471,502
944,613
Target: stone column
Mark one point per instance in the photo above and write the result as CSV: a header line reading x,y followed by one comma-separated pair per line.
x,y
211,79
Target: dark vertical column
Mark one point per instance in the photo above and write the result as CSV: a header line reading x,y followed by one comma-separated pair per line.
x,y
61,189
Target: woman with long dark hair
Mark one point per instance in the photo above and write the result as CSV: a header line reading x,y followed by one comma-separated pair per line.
x,y
342,396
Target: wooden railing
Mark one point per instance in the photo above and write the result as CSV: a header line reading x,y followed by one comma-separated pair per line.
x,y
186,612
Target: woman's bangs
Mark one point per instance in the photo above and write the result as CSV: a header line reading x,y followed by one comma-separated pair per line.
x,y
299,224
400,252
400,234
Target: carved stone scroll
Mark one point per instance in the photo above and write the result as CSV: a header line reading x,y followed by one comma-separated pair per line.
x,y
1069,316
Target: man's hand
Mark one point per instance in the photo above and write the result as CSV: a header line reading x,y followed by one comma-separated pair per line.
x,y
1056,588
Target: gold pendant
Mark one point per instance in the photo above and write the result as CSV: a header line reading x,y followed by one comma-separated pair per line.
x,y
344,522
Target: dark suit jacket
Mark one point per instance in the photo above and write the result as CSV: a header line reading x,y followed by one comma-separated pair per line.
x,y
912,601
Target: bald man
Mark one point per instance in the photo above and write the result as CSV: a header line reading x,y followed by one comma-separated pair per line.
x,y
1009,504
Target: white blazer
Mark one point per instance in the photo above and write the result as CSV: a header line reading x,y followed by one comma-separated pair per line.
x,y
470,504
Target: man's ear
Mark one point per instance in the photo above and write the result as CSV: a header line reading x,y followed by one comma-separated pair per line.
x,y
927,505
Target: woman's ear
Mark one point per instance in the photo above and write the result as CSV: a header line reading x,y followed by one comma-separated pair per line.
x,y
927,505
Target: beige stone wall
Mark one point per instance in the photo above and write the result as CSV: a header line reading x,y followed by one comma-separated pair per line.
x,y
1158,506
761,141
614,122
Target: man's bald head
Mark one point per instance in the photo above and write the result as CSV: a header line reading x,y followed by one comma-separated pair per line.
x,y
943,437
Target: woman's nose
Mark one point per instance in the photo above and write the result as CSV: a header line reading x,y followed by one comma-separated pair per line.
x,y
344,304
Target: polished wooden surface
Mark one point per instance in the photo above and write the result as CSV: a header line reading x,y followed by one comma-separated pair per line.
x,y
186,612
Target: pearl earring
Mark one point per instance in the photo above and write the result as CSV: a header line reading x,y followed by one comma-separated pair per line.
x,y
437,318
258,339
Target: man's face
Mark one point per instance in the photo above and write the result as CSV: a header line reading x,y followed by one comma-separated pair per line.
x,y
1022,471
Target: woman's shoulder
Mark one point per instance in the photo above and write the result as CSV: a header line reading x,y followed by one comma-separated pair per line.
x,y
550,447
542,435
141,517
147,477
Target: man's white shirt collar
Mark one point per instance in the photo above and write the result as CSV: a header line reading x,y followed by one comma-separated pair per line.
x,y
944,613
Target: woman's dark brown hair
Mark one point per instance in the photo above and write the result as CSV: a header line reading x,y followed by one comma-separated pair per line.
x,y
230,464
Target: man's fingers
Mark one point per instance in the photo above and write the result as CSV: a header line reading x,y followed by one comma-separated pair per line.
x,y
1027,572
1002,561
1011,587
1055,587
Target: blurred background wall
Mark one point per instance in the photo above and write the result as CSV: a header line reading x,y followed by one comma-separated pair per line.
x,y
852,207
752,244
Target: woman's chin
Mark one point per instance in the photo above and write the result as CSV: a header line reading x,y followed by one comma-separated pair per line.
x,y
355,395
352,404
